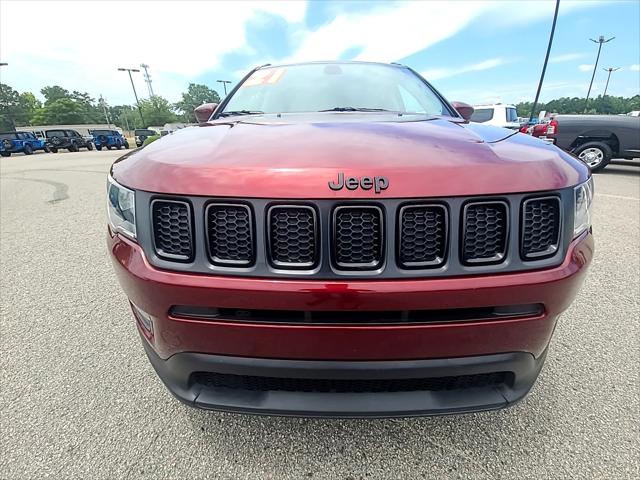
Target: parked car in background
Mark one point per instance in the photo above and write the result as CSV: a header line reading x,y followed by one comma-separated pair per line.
x,y
20,142
635,113
69,140
499,115
109,139
142,134
595,139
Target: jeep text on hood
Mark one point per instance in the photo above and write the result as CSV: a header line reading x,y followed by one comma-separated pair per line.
x,y
337,240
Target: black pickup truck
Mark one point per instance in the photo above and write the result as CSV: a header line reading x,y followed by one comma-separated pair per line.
x,y
596,139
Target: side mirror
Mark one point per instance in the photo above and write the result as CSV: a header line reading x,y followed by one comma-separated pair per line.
x,y
464,109
204,111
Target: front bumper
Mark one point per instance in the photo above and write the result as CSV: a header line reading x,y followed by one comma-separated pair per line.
x,y
521,369
181,348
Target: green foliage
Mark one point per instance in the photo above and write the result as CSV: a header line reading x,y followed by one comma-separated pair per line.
x,y
607,105
195,96
157,111
53,93
150,139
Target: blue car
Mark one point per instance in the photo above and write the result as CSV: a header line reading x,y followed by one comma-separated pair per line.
x,y
16,142
109,139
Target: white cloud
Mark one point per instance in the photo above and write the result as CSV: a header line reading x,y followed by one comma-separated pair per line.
x,y
566,57
438,73
585,68
635,67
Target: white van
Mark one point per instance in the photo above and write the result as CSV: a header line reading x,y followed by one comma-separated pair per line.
x,y
498,114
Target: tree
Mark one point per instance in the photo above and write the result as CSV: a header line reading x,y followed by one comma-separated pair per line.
x,y
9,107
63,111
53,93
156,111
196,95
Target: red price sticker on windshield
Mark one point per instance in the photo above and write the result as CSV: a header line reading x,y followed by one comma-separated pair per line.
x,y
269,76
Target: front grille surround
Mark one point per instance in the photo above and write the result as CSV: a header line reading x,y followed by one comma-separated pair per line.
x,y
468,249
276,251
243,254
346,255
325,268
172,242
528,249
440,232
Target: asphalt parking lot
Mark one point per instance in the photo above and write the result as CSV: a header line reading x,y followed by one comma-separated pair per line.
x,y
80,400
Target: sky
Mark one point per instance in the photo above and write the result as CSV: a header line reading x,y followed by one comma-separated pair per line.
x,y
476,51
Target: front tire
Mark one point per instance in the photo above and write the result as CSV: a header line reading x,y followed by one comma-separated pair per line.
x,y
98,147
596,155
5,154
89,146
73,147
53,149
28,150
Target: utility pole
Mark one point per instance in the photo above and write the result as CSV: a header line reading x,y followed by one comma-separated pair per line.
x,y
546,60
134,90
224,84
147,78
600,42
610,70
104,111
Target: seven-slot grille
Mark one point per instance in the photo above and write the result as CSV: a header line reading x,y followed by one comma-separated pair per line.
x,y
422,236
172,229
484,232
230,234
540,227
358,237
325,236
293,236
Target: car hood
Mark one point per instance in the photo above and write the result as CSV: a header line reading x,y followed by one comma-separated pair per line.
x,y
297,158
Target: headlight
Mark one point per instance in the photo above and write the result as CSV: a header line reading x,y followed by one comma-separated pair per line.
x,y
121,208
583,200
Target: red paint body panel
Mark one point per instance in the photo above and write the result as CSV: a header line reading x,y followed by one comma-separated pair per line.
x,y
296,158
155,291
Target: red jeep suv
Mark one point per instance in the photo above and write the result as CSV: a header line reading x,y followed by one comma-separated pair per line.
x,y
335,239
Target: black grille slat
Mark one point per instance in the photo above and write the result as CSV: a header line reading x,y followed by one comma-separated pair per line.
x,y
321,385
172,229
422,236
485,232
293,236
230,234
540,227
358,237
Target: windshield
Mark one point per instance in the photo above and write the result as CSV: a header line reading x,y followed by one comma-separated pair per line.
x,y
8,136
54,133
334,87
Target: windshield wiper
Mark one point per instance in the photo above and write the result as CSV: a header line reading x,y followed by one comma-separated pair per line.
x,y
355,109
240,112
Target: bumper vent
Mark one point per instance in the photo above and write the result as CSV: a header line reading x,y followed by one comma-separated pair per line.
x,y
230,235
422,236
172,229
357,237
540,227
293,236
321,385
484,232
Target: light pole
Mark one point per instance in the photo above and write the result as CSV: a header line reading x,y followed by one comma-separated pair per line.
x,y
147,78
104,111
3,64
224,84
546,60
600,42
610,70
134,90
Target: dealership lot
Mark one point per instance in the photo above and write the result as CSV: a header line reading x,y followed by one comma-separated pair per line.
x,y
79,398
